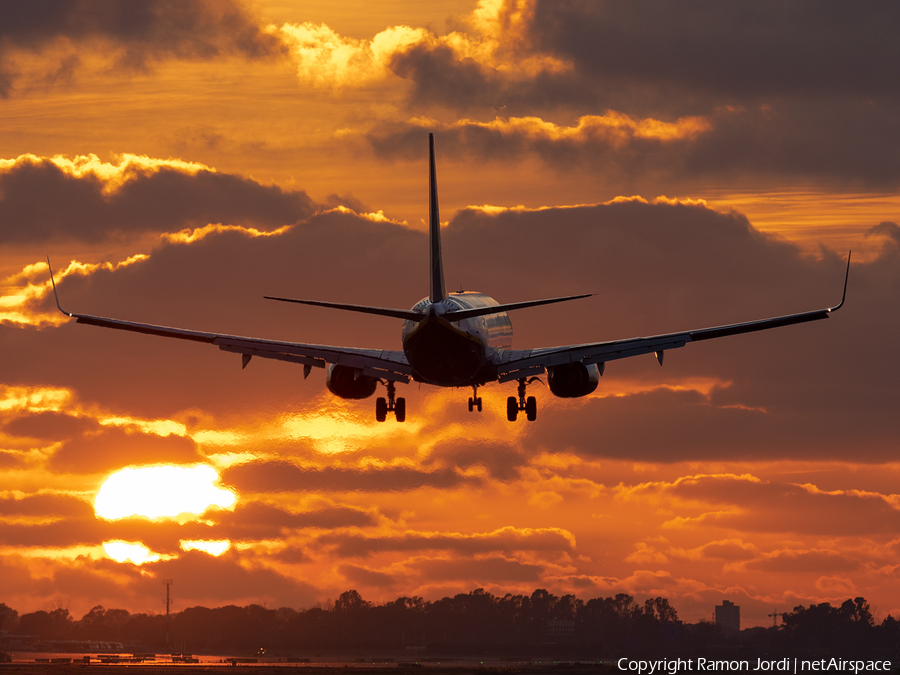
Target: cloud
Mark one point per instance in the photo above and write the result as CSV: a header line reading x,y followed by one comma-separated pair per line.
x,y
804,562
531,55
804,48
104,450
501,459
362,576
481,571
284,476
136,34
47,520
799,90
46,505
720,77
56,533
94,201
254,520
728,550
505,138
459,62
747,504
326,59
725,144
504,539
210,581
200,579
49,425
9,460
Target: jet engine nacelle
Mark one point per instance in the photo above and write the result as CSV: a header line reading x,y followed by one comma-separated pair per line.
x,y
349,382
571,380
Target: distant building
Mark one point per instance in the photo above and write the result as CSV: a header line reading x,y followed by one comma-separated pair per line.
x,y
728,616
561,627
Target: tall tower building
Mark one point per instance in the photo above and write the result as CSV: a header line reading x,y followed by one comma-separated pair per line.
x,y
728,616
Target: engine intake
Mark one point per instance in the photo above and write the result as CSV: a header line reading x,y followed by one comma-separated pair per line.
x,y
571,380
349,382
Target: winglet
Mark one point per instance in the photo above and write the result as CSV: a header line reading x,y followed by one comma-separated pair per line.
x,y
55,295
846,279
437,290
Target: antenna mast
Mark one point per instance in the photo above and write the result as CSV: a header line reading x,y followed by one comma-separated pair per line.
x,y
167,582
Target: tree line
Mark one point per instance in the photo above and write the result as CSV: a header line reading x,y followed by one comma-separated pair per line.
x,y
476,622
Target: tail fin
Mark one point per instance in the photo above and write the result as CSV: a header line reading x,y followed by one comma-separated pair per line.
x,y
437,289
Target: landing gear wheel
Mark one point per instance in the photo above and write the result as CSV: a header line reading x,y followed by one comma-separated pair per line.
x,y
516,403
390,404
531,408
512,408
475,399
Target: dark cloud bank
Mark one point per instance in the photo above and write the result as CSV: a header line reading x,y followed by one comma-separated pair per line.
x,y
163,200
137,33
798,90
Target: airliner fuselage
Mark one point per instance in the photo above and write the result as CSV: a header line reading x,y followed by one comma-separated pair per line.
x,y
456,354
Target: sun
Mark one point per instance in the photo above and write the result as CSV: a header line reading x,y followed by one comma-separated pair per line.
x,y
163,491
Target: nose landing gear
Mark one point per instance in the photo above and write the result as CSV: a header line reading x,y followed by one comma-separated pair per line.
x,y
529,405
391,404
474,399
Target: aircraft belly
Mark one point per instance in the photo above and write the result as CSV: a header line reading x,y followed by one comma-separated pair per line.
x,y
444,355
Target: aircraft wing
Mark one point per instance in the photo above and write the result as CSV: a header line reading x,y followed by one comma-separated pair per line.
x,y
518,363
384,364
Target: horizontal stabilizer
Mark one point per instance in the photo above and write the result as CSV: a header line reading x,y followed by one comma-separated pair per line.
x,y
496,309
407,314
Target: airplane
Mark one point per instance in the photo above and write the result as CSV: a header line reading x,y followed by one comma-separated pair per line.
x,y
457,339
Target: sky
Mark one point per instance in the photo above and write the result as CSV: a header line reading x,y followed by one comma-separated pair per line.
x,y
690,163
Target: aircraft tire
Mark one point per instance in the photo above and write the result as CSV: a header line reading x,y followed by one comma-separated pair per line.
x,y
400,409
471,404
512,408
381,409
531,408
478,403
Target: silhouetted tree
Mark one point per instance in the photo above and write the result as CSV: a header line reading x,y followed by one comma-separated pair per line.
x,y
476,622
55,625
102,624
848,628
9,618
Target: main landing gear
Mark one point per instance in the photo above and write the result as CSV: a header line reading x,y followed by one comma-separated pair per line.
x,y
529,405
391,404
474,399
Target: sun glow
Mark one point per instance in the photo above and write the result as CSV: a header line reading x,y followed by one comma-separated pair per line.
x,y
159,427
161,492
113,176
33,399
130,551
335,431
189,236
20,292
614,128
215,547
327,59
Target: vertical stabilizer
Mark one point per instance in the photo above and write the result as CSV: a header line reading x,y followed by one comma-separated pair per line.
x,y
437,289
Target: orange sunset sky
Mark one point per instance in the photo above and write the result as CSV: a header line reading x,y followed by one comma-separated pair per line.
x,y
690,163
